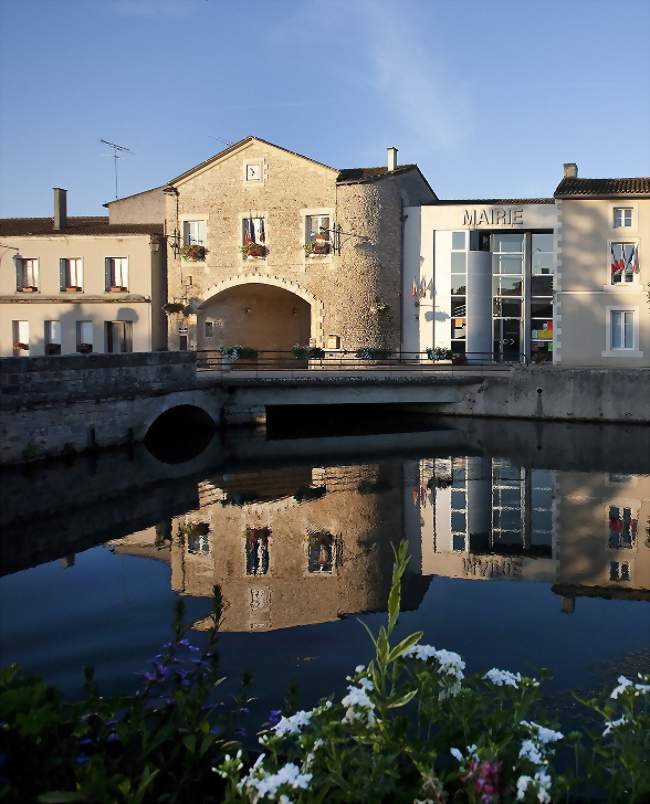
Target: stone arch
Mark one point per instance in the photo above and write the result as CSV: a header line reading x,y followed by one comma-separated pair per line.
x,y
289,285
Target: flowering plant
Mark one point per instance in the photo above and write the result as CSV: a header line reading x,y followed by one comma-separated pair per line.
x,y
438,353
371,353
253,250
317,246
21,345
194,252
234,353
307,352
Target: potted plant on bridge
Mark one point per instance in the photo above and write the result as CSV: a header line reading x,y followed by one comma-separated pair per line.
x,y
231,354
307,352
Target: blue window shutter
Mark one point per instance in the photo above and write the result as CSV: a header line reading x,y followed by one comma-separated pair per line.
x,y
19,273
107,273
62,272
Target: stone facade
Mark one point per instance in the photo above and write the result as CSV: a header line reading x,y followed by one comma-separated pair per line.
x,y
344,289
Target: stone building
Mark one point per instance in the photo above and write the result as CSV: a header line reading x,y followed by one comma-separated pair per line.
x,y
269,249
80,284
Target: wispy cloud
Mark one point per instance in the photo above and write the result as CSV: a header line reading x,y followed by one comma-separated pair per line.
x,y
175,9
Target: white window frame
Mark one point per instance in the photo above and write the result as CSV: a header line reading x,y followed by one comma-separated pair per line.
x,y
623,352
35,271
122,274
315,213
255,215
78,272
623,209
188,239
636,278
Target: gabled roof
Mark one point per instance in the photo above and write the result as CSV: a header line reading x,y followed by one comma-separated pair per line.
x,y
235,147
636,187
133,195
84,225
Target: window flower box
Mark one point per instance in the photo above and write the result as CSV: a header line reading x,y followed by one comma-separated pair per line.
x,y
173,307
194,252
52,348
19,346
85,348
116,289
29,289
253,250
317,248
73,289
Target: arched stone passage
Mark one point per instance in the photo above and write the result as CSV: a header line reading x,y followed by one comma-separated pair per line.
x,y
179,433
260,311
260,316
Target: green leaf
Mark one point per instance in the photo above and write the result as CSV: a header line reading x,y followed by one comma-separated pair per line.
x,y
369,632
383,646
56,796
403,699
404,645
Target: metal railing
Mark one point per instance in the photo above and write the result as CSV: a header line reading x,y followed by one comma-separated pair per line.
x,y
350,360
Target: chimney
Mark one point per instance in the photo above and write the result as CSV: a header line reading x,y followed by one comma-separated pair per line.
x,y
60,208
392,158
570,170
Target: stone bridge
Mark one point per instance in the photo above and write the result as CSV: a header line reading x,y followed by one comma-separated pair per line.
x,y
76,403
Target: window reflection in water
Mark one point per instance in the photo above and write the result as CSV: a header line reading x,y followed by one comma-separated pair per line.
x,y
622,527
322,552
257,551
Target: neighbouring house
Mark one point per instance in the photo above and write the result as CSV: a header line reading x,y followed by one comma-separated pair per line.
x,y
81,284
562,279
269,249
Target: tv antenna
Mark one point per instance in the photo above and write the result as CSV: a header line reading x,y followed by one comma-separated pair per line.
x,y
116,155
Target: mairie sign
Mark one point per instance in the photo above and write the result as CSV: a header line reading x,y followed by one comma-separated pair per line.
x,y
494,216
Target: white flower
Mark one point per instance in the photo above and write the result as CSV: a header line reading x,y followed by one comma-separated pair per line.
x,y
293,724
522,785
421,652
614,724
359,668
229,765
268,784
531,752
357,699
456,754
541,780
541,733
503,678
623,684
284,799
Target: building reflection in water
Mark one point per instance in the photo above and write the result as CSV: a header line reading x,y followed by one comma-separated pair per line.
x,y
307,545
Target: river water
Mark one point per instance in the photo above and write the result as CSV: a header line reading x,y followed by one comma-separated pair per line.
x,y
530,548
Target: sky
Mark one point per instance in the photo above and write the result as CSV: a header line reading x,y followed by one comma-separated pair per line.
x,y
489,97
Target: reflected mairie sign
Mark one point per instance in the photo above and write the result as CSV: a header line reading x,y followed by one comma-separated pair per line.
x,y
494,216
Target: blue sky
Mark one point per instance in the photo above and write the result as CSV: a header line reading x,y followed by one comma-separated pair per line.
x,y
489,97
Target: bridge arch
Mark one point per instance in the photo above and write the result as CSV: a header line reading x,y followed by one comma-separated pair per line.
x,y
259,310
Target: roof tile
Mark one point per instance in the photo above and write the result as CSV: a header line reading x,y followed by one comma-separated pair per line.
x,y
594,188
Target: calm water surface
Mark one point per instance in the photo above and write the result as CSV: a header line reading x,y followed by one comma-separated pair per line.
x,y
530,547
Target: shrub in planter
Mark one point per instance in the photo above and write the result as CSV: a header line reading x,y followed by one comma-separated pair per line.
x,y
370,353
253,250
308,352
234,353
439,353
19,345
193,253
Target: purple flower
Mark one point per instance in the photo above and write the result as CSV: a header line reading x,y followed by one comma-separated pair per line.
x,y
215,730
151,677
81,758
112,737
274,716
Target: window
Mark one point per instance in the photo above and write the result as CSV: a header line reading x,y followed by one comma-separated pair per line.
x,y
20,335
622,527
84,337
619,571
508,291
623,217
317,234
116,274
118,336
253,237
624,263
458,265
52,337
26,275
208,330
253,171
622,329
257,551
194,233
541,307
71,274
198,538
322,550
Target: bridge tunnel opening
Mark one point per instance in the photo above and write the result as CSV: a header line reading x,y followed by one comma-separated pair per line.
x,y
304,421
180,434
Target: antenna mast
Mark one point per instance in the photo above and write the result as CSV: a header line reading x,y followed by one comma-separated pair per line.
x,y
116,156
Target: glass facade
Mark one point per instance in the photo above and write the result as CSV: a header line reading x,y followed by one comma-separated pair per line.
x,y
458,292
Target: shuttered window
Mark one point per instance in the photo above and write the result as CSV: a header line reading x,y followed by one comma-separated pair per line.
x,y
71,273
116,273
